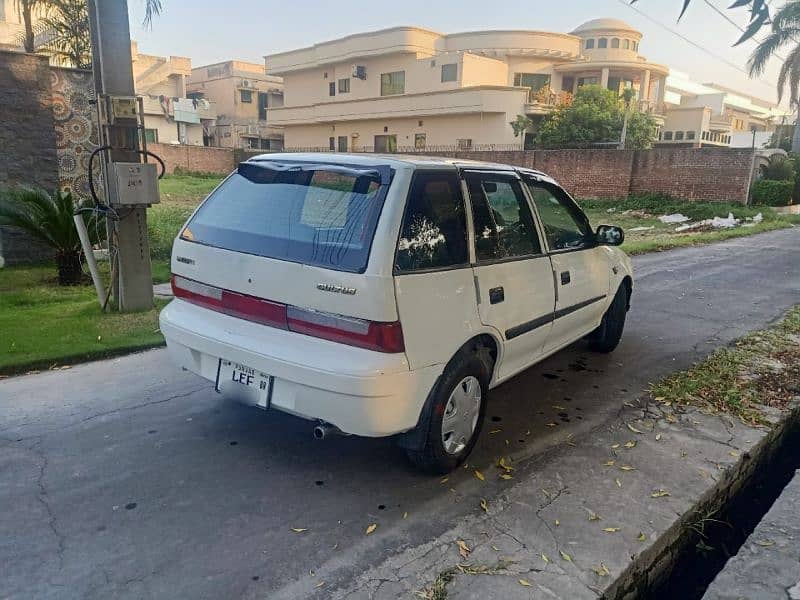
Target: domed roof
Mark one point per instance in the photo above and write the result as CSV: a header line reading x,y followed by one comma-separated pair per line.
x,y
603,24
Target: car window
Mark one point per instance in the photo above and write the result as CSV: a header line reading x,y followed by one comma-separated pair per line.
x,y
319,217
502,217
434,234
565,226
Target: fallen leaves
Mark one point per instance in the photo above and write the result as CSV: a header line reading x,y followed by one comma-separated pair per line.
x,y
632,428
484,505
320,584
765,543
618,482
524,583
602,570
630,444
463,549
299,529
502,464
372,528
405,515
565,556
608,463
544,557
627,468
506,476
479,475
594,516
642,537
659,493
611,529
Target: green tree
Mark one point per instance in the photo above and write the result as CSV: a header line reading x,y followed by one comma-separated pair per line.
x,y
595,116
520,125
70,39
49,219
26,10
784,33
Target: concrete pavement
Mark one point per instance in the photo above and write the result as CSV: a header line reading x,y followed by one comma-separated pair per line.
x,y
127,478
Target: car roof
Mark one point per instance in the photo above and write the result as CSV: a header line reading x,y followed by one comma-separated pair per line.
x,y
397,161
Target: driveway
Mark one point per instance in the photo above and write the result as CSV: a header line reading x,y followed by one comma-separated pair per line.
x,y
130,479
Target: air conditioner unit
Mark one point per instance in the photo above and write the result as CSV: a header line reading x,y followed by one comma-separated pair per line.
x,y
359,71
246,83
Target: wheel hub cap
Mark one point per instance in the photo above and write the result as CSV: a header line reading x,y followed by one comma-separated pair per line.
x,y
461,415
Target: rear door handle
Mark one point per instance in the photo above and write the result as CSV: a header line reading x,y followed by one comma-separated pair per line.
x,y
565,277
496,295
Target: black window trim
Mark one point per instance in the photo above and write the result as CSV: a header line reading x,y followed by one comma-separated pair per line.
x,y
496,261
550,251
467,207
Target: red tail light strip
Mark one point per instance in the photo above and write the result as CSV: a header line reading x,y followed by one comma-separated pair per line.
x,y
372,335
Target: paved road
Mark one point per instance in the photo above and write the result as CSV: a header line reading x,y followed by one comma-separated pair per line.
x,y
130,479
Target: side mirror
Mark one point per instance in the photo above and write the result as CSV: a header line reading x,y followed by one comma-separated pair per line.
x,y
609,235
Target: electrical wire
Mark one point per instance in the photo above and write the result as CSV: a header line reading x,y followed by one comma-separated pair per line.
x,y
693,43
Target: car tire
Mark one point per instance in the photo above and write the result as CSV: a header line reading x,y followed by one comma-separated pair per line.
x,y
606,337
454,420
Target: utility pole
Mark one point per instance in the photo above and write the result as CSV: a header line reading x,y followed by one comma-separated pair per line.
x,y
113,81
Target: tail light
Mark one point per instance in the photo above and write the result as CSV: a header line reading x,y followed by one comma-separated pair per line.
x,y
372,335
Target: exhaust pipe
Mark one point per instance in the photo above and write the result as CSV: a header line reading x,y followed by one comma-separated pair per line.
x,y
323,430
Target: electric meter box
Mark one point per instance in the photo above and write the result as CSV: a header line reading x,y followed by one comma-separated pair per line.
x,y
135,184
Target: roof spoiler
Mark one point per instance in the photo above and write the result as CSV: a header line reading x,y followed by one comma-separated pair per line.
x,y
247,169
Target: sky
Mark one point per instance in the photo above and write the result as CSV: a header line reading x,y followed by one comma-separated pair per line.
x,y
209,31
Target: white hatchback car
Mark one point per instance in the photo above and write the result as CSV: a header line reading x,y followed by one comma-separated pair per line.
x,y
385,295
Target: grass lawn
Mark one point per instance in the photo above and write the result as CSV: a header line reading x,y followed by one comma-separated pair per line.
x,y
44,325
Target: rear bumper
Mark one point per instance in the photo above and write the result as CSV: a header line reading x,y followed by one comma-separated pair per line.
x,y
360,391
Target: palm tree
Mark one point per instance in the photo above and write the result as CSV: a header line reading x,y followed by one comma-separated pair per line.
x,y
49,219
69,41
152,9
785,33
26,9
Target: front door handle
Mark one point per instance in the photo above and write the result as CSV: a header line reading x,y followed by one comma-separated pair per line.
x,y
565,278
496,295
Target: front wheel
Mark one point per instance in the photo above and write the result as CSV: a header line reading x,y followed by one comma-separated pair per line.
x,y
606,337
456,415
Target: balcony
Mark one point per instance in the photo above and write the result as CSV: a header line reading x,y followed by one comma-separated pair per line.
x,y
206,111
694,138
472,100
544,100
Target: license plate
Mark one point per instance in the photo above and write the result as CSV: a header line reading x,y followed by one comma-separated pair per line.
x,y
244,383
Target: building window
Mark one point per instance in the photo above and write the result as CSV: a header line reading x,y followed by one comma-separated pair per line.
x,y
449,72
246,96
263,103
331,143
587,81
532,81
615,42
635,46
589,44
344,86
690,135
332,88
602,43
385,143
464,144
419,141
678,135
393,83
626,44
151,136
342,143
667,136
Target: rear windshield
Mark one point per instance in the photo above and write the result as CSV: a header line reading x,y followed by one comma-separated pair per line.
x,y
301,214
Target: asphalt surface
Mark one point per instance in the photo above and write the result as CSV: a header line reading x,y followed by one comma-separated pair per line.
x,y
128,478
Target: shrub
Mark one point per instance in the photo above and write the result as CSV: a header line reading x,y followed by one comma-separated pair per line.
x,y
779,168
773,193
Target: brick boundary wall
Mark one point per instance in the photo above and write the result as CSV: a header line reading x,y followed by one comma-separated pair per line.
x,y
692,174
194,158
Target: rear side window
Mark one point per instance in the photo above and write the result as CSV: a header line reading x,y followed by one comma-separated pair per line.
x,y
504,226
434,234
315,217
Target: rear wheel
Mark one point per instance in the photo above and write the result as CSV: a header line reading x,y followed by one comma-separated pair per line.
x,y
606,337
456,415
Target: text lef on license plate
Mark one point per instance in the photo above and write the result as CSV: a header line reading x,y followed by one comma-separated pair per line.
x,y
243,383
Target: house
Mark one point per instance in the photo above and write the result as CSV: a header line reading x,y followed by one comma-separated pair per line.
x,y
710,114
415,89
244,95
170,117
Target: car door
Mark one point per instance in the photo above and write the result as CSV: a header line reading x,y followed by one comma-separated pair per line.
x,y
580,265
513,276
